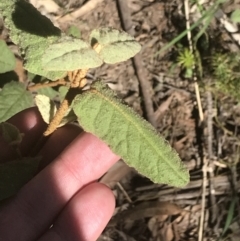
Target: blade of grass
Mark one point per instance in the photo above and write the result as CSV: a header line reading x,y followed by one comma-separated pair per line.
x,y
184,33
229,216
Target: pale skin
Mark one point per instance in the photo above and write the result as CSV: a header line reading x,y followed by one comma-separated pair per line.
x,y
65,192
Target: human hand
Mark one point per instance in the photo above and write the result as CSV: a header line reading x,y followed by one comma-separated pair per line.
x,y
64,193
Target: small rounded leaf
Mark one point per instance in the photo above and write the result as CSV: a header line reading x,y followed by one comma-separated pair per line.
x,y
68,54
115,46
120,51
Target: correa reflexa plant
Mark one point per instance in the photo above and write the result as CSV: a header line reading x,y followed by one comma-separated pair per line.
x,y
64,61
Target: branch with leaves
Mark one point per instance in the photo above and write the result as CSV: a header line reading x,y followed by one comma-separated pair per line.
x,y
65,60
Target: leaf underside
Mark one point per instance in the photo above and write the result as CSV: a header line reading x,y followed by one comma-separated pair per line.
x,y
129,136
48,109
116,46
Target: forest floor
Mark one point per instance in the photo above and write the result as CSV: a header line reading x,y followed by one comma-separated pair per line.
x,y
186,103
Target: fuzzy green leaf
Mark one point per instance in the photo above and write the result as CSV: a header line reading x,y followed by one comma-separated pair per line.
x,y
115,46
70,54
32,32
33,56
14,98
74,31
7,59
129,136
15,174
10,134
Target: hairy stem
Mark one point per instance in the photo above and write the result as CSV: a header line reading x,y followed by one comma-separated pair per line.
x,y
66,103
77,82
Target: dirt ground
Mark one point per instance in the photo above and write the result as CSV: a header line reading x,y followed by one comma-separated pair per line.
x,y
201,123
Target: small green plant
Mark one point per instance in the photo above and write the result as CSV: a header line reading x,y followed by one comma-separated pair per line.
x,y
224,67
186,60
227,73
64,61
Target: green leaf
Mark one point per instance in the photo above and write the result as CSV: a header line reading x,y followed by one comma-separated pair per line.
x,y
129,136
33,56
11,134
14,98
48,91
115,46
62,91
15,174
74,31
46,107
70,54
32,32
7,58
235,16
68,117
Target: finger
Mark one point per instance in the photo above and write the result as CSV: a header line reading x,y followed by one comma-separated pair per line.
x,y
30,123
37,204
57,142
85,216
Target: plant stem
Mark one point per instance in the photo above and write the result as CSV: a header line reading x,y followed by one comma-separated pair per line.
x,y
66,103
77,82
50,84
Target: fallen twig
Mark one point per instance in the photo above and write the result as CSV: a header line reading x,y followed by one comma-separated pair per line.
x,y
145,85
214,209
200,111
